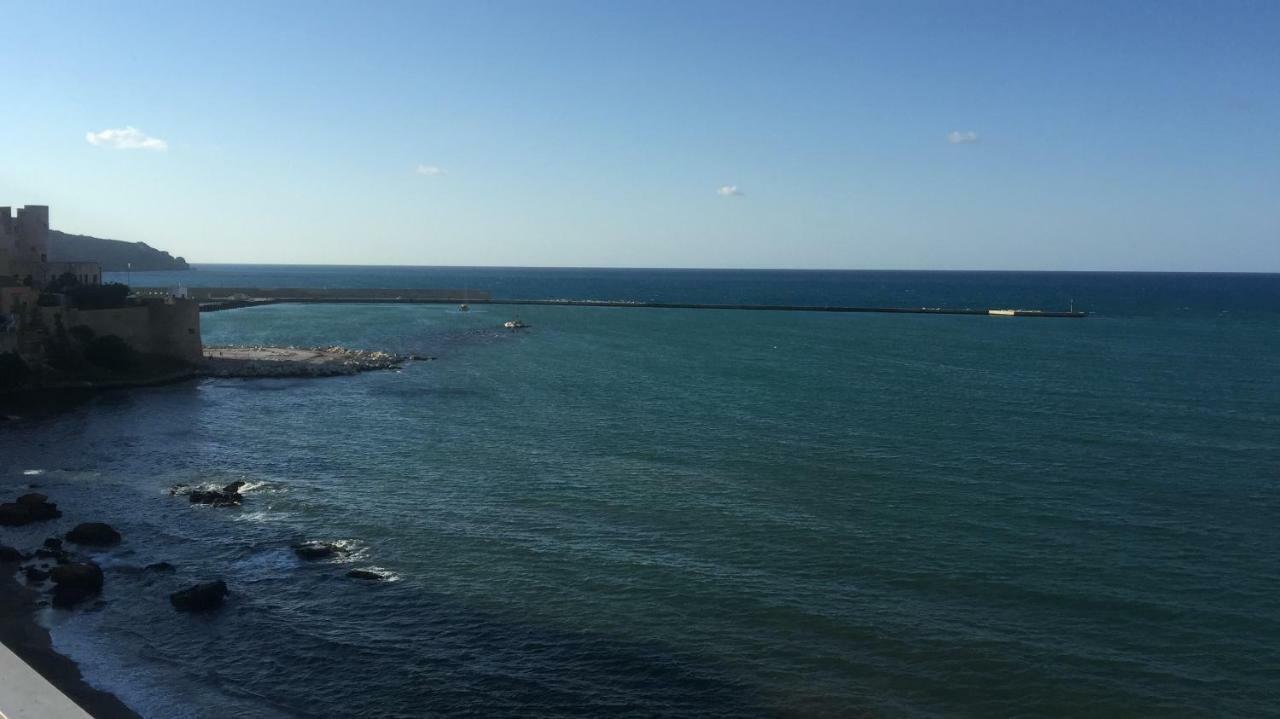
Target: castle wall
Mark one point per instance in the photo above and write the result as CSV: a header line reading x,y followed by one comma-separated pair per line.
x,y
33,233
88,273
171,329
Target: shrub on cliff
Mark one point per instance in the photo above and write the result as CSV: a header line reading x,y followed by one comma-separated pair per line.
x,y
13,370
98,297
82,333
111,352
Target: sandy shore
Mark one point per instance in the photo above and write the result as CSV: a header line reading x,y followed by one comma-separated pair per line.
x,y
20,632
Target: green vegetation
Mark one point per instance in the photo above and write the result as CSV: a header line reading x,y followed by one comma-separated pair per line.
x,y
113,255
98,297
111,352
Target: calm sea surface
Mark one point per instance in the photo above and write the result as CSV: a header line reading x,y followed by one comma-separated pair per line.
x,y
632,512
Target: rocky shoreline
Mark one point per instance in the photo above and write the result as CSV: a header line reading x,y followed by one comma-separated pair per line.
x,y
61,573
243,363
53,574
250,362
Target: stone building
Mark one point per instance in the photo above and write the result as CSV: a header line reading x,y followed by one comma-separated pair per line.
x,y
24,250
166,326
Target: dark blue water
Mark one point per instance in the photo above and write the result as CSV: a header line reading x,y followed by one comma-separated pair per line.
x,y
702,513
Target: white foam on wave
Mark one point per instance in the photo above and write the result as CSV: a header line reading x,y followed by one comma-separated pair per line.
x,y
352,550
258,516
32,472
386,574
265,564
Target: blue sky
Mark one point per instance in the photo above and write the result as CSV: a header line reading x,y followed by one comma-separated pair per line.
x,y
947,135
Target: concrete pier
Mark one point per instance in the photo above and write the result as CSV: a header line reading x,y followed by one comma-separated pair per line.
x,y
24,694
213,299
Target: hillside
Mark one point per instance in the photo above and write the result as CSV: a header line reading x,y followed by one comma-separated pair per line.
x,y
113,255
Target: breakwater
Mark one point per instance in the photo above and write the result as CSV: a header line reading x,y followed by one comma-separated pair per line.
x,y
214,299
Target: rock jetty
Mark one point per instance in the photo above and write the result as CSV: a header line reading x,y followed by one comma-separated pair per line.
x,y
295,361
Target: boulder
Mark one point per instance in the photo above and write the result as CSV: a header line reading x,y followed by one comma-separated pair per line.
x,y
364,574
234,487
9,554
160,567
216,497
14,515
43,512
95,534
75,582
201,597
317,550
29,508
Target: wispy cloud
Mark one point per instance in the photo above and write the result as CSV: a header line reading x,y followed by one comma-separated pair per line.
x,y
729,191
429,170
962,137
126,138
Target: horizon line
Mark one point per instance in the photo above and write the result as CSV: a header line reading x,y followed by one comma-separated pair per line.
x,y
195,266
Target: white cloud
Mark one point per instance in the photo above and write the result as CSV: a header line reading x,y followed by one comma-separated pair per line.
x,y
429,170
126,138
966,137
729,191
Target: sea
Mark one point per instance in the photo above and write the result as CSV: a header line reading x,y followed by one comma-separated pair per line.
x,y
696,513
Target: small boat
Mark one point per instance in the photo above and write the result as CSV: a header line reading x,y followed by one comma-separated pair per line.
x,y
514,325
464,308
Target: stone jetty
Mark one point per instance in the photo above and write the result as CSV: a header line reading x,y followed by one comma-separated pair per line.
x,y
295,361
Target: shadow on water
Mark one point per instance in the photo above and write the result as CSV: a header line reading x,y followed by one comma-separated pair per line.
x,y
432,656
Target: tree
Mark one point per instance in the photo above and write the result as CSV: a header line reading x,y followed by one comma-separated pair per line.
x,y
98,297
111,352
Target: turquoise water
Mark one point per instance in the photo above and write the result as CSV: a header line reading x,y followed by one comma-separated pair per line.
x,y
688,513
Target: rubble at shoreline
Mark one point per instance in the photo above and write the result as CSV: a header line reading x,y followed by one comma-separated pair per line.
x,y
251,362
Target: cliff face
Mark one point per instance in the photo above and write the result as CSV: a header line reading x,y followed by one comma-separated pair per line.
x,y
113,255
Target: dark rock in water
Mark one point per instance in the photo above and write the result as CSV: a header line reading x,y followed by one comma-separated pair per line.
x,y
75,582
201,597
53,543
95,534
316,550
29,508
216,497
35,574
162,567
9,554
14,515
42,512
234,487
364,574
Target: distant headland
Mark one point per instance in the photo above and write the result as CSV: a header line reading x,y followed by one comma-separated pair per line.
x,y
113,255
